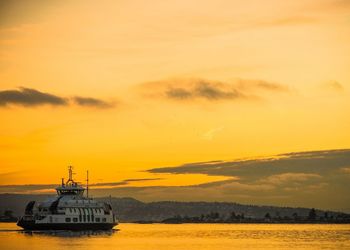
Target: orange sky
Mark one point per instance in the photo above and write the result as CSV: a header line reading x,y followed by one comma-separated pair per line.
x,y
183,81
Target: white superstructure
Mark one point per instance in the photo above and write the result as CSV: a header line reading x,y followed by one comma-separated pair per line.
x,y
70,209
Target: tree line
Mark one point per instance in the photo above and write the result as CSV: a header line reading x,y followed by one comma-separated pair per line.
x,y
215,217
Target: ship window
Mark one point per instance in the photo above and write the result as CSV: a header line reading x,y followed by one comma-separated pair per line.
x,y
70,209
75,219
104,219
88,217
75,210
84,217
67,219
80,217
97,219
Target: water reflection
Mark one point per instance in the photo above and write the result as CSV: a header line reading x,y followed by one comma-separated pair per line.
x,y
182,236
67,233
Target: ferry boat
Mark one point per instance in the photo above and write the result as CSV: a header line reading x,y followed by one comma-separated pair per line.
x,y
69,210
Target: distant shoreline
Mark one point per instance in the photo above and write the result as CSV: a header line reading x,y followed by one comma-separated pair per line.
x,y
226,223
247,222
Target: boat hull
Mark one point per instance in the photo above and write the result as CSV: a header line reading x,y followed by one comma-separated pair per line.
x,y
31,225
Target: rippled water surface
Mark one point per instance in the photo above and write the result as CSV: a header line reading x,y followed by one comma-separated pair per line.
x,y
183,236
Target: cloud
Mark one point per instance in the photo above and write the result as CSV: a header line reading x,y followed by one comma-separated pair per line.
x,y
334,85
282,179
143,179
51,187
26,188
290,177
91,102
311,179
28,97
178,93
209,135
192,89
203,89
311,162
123,182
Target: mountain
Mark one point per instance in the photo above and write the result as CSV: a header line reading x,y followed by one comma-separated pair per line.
x,y
129,209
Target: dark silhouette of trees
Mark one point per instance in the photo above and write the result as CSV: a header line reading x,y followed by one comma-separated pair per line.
x,y
8,213
233,216
326,215
295,216
8,216
312,214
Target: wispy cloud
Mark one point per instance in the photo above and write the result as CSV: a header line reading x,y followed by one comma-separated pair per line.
x,y
334,86
191,89
91,102
290,177
311,162
209,135
28,97
51,187
123,182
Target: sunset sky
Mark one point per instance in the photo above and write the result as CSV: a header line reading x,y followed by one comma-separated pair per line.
x,y
128,89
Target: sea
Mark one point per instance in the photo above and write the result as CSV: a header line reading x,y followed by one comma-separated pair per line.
x,y
130,236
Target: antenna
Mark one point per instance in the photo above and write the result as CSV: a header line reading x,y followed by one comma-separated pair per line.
x,y
70,170
87,184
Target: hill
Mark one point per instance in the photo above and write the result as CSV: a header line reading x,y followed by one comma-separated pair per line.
x,y
130,210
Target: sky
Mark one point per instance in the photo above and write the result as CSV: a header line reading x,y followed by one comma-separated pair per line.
x,y
137,91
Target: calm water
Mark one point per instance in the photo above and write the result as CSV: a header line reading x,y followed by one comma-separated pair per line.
x,y
186,236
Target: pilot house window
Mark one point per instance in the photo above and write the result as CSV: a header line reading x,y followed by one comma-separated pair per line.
x,y
67,219
75,219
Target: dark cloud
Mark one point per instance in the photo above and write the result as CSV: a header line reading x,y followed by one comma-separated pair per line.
x,y
318,162
205,90
119,183
143,179
212,91
178,93
196,89
41,187
123,182
264,85
26,188
314,178
311,179
91,102
29,97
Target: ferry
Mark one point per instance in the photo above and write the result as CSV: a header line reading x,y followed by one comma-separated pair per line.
x,y
69,210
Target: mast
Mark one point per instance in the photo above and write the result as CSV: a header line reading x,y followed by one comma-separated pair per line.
x,y
70,170
87,184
